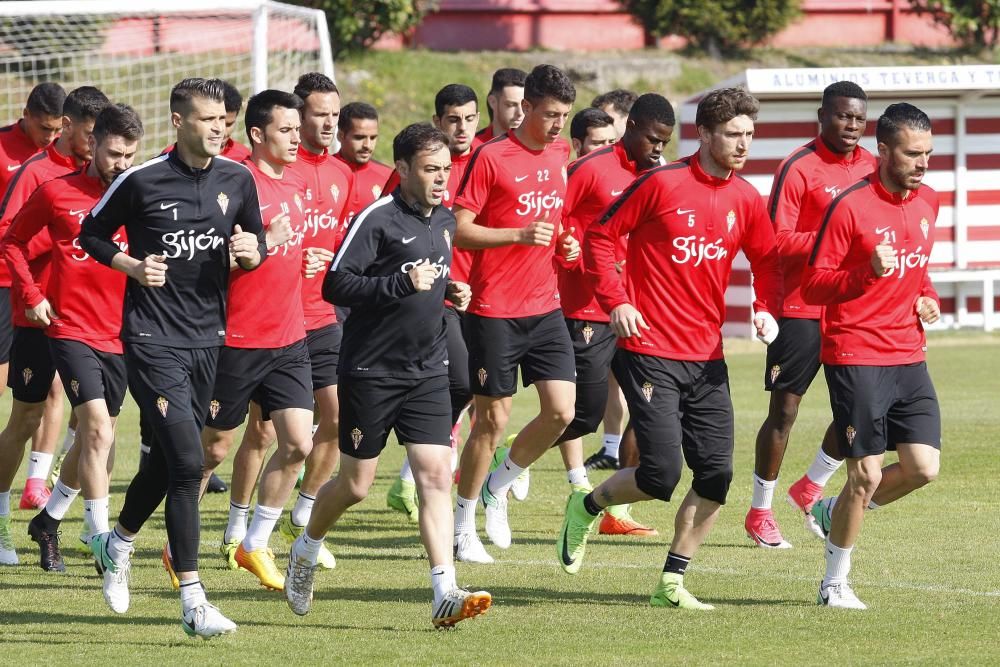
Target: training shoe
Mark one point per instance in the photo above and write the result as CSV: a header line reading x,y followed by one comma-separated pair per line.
x,y
260,563
820,513
206,621
620,522
228,551
763,529
577,526
168,565
458,605
802,495
670,592
291,532
8,556
116,577
839,596
56,469
522,483
216,485
402,497
50,559
35,495
469,549
83,545
601,461
299,578
495,507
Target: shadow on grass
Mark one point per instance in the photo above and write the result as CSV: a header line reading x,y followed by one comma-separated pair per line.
x,y
54,618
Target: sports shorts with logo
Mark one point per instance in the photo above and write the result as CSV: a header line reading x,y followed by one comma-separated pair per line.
x,y
6,325
417,409
324,354
171,385
88,374
275,378
31,369
594,346
793,357
680,411
540,345
876,408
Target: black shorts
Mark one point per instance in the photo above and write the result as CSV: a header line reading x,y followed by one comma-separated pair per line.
x,y
324,354
31,369
679,407
793,357
90,374
6,325
876,408
419,410
594,345
276,378
171,385
458,361
539,344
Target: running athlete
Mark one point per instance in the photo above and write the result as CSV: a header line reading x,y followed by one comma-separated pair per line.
x,y
591,129
503,104
357,132
616,103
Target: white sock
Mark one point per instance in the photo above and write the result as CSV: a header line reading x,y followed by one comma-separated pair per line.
x,y
872,505
315,428
306,547
578,477
95,515
68,440
501,478
119,547
261,527
192,594
763,493
838,563
611,444
60,500
38,465
822,468
236,529
303,509
405,473
465,515
442,581
5,503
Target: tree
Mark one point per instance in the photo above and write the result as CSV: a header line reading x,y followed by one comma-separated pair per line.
x,y
714,25
357,24
974,24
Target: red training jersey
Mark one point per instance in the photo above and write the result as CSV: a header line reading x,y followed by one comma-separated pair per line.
x,y
508,185
685,228
483,136
85,295
327,192
804,185
871,320
15,148
264,311
595,180
369,178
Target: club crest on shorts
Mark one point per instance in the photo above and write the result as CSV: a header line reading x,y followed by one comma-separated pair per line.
x,y
335,192
74,385
376,191
482,377
447,239
162,405
213,408
647,391
356,436
588,333
850,433
26,375
730,220
924,226
223,202
775,372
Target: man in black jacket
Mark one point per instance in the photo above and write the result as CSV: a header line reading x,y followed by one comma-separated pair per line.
x,y
186,214
392,271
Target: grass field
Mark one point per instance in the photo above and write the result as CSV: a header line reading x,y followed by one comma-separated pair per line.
x,y
927,567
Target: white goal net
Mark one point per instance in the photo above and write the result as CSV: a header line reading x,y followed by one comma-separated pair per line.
x,y
136,51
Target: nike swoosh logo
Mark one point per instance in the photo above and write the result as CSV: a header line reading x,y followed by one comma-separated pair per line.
x,y
407,240
566,558
615,193
266,206
518,179
882,230
78,211
164,206
684,211
13,167
671,602
757,538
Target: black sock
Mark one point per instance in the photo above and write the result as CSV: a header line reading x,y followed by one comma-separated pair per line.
x,y
45,521
676,563
589,504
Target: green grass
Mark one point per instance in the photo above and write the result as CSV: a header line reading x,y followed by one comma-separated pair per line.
x,y
926,566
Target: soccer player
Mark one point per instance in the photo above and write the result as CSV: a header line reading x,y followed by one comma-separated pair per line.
x,y
231,148
357,132
595,181
265,357
686,221
868,269
508,208
37,408
185,214
591,129
81,311
392,270
456,113
39,126
503,104
616,103
804,185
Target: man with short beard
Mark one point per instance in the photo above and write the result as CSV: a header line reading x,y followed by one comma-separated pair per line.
x,y
357,132
503,104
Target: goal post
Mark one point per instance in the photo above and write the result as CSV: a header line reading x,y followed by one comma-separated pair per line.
x,y
136,51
